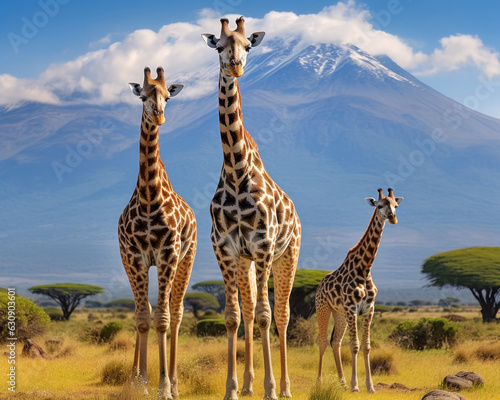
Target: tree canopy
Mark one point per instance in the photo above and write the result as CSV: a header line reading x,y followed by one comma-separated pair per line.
x,y
67,295
215,288
474,268
201,301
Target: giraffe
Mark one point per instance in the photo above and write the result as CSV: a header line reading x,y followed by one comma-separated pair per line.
x,y
255,228
157,227
349,291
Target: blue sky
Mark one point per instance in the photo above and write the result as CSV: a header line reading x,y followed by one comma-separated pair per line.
x,y
84,53
62,31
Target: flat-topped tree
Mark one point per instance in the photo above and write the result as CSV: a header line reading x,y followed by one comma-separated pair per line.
x,y
201,301
67,295
215,288
474,268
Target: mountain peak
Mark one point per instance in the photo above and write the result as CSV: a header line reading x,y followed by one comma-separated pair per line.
x,y
327,59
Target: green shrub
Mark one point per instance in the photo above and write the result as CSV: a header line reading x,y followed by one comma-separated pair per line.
x,y
211,327
209,314
427,333
382,309
30,320
109,330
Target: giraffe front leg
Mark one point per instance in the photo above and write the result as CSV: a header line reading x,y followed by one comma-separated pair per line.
x,y
353,330
263,318
139,282
179,288
367,320
248,289
284,272
166,273
232,320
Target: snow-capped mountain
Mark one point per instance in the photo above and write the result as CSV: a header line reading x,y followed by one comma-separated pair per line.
x,y
333,124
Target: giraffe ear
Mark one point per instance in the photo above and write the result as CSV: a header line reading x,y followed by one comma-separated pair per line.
x,y
210,40
255,38
135,88
399,199
371,201
175,89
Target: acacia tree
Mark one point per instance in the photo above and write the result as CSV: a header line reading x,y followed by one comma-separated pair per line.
x,y
200,301
474,268
215,288
67,295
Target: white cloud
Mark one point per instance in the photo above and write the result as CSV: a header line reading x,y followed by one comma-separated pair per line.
x,y
459,51
101,76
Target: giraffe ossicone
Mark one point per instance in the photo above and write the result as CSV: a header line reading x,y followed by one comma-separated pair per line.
x,y
255,228
156,228
349,292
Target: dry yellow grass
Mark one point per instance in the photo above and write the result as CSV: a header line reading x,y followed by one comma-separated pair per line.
x,y
77,373
202,372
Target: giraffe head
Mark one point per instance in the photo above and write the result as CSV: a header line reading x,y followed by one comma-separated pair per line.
x,y
233,46
154,94
386,205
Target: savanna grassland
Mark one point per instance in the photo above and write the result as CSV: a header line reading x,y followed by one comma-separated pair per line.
x,y
86,367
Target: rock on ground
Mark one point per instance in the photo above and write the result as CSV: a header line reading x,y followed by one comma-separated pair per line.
x,y
34,350
463,380
442,395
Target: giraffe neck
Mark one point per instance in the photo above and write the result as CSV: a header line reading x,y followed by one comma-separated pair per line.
x,y
152,175
237,144
366,248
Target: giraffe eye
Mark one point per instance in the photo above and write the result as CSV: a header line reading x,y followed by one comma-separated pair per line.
x,y
380,207
219,49
247,49
143,98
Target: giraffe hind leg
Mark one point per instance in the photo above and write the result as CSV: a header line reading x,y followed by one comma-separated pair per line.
x,y
323,313
339,329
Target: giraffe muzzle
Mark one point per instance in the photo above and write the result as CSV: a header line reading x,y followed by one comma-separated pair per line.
x,y
236,70
393,220
158,117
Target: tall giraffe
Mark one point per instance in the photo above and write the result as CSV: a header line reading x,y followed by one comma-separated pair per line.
x,y
158,228
349,291
254,225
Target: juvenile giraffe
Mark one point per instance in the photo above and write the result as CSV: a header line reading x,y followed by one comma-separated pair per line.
x,y
349,291
158,228
254,225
